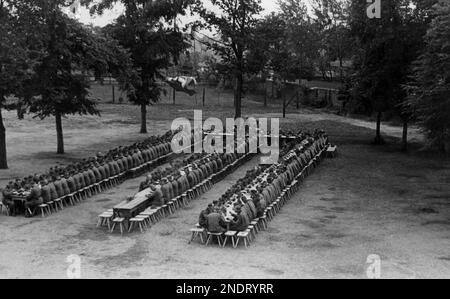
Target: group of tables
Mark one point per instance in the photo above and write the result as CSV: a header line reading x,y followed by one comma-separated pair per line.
x,y
141,200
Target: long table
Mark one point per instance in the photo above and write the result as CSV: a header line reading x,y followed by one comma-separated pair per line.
x,y
130,209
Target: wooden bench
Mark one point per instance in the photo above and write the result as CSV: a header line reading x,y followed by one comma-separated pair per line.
x,y
245,237
232,236
211,237
105,219
197,232
4,209
332,151
43,209
120,222
139,222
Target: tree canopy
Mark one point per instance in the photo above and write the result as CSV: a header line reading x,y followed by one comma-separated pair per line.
x,y
143,30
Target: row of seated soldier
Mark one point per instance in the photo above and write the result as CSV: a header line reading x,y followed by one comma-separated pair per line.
x,y
248,198
167,184
60,182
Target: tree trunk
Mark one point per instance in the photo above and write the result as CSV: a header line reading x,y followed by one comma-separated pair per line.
x,y
378,138
143,119
238,95
405,137
59,134
3,153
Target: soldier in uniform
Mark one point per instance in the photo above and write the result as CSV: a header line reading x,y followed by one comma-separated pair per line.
x,y
53,192
156,197
33,200
65,185
7,198
58,187
175,190
165,188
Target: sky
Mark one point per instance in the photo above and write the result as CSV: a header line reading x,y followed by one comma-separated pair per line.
x,y
109,16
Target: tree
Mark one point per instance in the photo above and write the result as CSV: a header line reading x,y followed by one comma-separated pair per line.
x,y
234,20
70,51
387,48
331,17
429,89
154,47
16,63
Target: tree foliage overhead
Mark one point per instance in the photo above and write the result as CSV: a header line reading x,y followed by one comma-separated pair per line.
x,y
154,46
429,89
335,42
234,21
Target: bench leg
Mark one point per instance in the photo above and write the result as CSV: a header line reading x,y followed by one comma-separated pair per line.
x,y
237,242
192,238
131,227
208,240
225,242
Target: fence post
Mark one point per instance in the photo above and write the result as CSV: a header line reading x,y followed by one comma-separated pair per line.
x,y
298,99
174,95
204,93
265,94
113,94
284,105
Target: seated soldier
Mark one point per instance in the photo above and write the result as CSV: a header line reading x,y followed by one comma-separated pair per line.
x,y
72,183
146,184
216,222
53,193
203,218
240,222
7,198
65,185
156,198
45,192
33,200
166,190
58,187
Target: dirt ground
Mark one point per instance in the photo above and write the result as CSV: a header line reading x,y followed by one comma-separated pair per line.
x,y
369,200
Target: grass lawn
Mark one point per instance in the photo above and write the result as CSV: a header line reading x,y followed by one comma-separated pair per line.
x,y
369,200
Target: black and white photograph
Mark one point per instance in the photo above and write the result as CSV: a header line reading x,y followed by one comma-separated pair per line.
x,y
220,140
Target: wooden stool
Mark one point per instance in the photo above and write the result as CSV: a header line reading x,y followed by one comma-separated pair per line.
x,y
255,224
184,200
232,236
147,220
50,206
176,204
120,222
252,231
244,236
59,204
269,213
165,211
212,235
139,221
43,208
159,214
197,232
105,218
172,209
263,221
4,209
331,152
